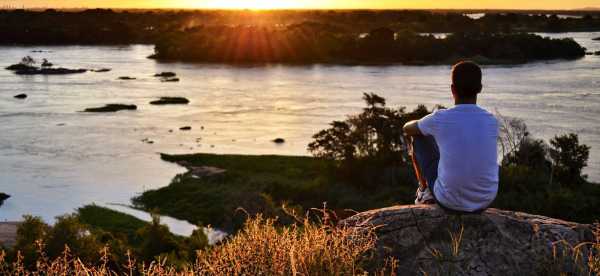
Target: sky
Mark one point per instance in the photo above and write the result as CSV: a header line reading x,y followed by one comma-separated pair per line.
x,y
308,4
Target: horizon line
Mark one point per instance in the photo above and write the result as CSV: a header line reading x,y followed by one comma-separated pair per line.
x,y
584,9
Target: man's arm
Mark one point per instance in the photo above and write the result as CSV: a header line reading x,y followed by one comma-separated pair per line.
x,y
412,129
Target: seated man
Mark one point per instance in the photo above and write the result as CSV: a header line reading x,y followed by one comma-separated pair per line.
x,y
454,150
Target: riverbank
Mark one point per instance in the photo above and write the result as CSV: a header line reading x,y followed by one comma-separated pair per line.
x,y
222,190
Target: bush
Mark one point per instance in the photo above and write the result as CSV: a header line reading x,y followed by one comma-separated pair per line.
x,y
368,145
569,157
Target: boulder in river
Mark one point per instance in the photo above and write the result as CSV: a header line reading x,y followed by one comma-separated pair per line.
x,y
596,39
170,100
597,53
126,78
165,75
111,108
3,197
185,128
279,141
49,71
426,240
101,70
170,80
20,67
21,96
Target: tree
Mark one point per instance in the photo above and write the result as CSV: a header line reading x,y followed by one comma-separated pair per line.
x,y
31,234
69,232
156,239
569,157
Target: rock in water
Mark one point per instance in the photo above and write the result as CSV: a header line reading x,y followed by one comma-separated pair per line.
x,y
126,78
596,39
495,242
165,75
279,141
111,108
185,128
101,70
170,100
3,197
21,96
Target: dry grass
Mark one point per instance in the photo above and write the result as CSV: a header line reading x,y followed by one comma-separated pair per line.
x,y
261,248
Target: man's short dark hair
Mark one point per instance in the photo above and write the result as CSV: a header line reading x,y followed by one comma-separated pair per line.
x,y
466,78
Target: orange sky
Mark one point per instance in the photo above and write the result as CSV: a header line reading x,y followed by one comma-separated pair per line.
x,y
309,4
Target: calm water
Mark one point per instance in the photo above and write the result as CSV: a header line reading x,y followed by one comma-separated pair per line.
x,y
54,159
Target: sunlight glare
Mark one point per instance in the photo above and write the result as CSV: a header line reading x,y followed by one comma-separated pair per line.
x,y
252,4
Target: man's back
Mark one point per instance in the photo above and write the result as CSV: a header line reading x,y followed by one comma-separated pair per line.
x,y
466,136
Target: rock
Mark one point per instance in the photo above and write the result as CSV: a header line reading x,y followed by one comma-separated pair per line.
x,y
185,128
170,100
21,96
111,108
495,242
49,71
3,197
596,39
170,80
279,141
20,67
126,78
597,53
101,70
589,53
165,75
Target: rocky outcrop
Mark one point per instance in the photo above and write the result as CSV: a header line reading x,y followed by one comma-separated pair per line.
x,y
111,108
170,100
3,197
427,240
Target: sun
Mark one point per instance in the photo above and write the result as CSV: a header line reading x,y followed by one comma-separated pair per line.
x,y
252,4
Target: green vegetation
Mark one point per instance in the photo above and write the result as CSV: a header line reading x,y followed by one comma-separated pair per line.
x,y
307,36
315,43
104,26
361,163
109,220
93,230
260,185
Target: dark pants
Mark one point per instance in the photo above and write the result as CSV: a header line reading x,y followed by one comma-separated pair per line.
x,y
427,156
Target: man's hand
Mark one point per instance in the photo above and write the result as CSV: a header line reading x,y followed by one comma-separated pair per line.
x,y
412,129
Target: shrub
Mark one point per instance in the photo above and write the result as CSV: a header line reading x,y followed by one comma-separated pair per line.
x,y
369,146
569,157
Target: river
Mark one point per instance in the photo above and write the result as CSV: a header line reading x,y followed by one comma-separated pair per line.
x,y
54,159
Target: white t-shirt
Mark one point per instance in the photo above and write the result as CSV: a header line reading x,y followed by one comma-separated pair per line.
x,y
466,136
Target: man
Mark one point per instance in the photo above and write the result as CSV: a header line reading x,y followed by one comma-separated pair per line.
x,y
454,150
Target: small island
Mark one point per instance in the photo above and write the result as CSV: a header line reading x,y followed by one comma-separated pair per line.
x,y
307,43
27,67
